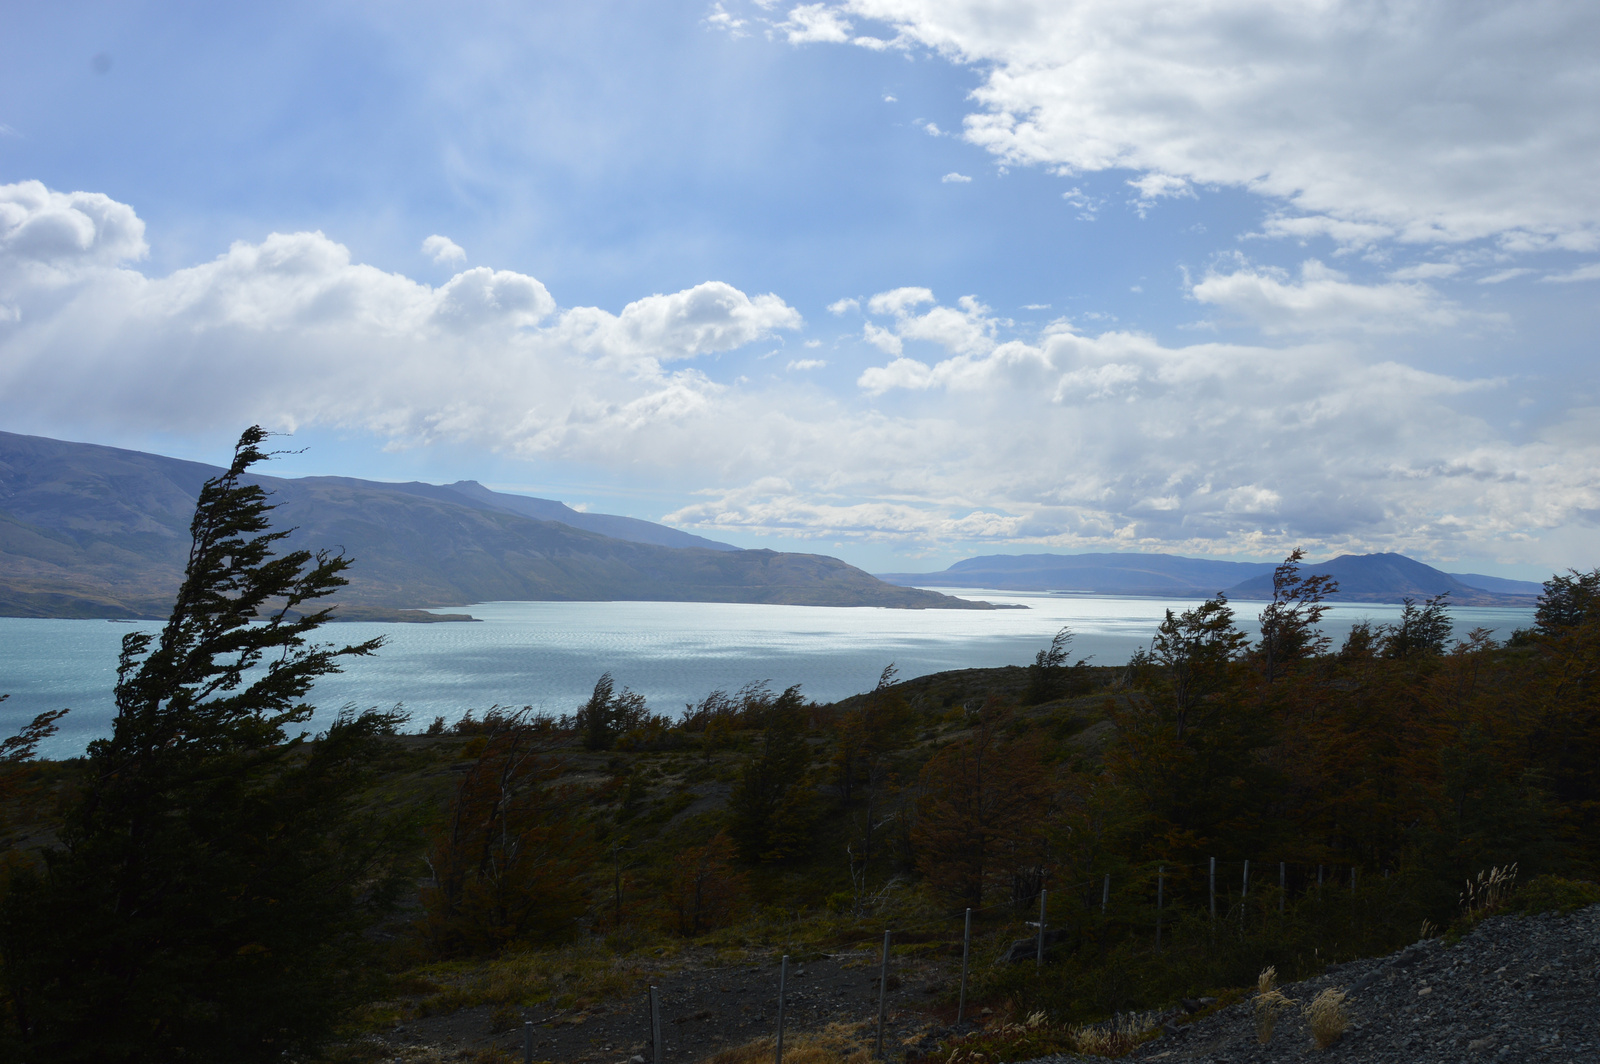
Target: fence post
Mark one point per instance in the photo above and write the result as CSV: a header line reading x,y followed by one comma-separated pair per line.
x,y
1105,894
783,990
1319,879
1283,881
527,1039
1352,878
1213,888
966,951
1244,895
657,1051
1161,888
883,991
1038,961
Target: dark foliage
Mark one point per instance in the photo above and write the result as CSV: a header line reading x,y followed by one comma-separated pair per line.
x,y
207,900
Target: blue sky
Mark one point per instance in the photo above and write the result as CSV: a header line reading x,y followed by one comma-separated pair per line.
x,y
897,280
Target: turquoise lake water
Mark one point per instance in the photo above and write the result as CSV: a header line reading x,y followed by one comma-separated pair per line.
x,y
549,654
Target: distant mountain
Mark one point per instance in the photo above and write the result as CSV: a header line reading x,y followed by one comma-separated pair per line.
x,y
1158,575
1499,584
1389,578
473,494
91,531
1362,578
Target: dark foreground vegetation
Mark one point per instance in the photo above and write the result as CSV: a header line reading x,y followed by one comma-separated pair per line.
x,y
205,886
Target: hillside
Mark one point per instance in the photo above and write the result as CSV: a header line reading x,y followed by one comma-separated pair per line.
x,y
91,531
1388,578
1362,578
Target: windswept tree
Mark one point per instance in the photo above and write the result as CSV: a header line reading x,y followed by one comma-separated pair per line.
x,y
1422,631
212,883
608,715
1050,675
1196,649
771,809
509,860
981,811
1289,631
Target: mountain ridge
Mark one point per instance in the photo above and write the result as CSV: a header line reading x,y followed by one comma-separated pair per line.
x,y
94,531
1385,577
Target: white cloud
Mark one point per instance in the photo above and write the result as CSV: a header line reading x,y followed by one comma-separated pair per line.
x,y
1153,186
1502,276
65,231
720,19
881,338
1056,438
1325,301
803,364
843,306
953,178
1425,271
899,300
443,250
1434,122
890,99
1591,272
813,23
1310,226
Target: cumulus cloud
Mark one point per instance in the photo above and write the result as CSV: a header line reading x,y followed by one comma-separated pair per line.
x,y
292,331
843,306
62,231
953,178
1430,122
803,364
966,431
443,250
1325,301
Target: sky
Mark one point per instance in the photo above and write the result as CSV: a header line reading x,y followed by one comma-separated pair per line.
x,y
901,281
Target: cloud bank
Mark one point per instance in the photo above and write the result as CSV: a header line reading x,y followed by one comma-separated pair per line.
x,y
944,424
1411,120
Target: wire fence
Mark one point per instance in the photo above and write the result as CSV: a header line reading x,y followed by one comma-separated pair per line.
x,y
1073,900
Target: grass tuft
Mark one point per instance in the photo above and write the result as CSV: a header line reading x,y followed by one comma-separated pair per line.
x,y
1327,1017
1270,1003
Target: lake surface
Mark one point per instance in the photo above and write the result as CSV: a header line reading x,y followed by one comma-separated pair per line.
x,y
549,654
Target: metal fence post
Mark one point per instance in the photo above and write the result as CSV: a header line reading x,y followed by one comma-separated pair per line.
x,y
783,989
657,1051
1161,889
1213,888
1283,889
966,951
1038,960
1105,894
883,993
527,1039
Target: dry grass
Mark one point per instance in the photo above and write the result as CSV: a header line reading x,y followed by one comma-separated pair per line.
x,y
1489,893
566,978
1270,1003
838,1043
1327,1018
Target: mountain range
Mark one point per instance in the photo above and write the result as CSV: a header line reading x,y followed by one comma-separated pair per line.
x,y
92,531
1362,578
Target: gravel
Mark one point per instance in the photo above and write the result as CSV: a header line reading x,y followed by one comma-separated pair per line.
x,y
1514,989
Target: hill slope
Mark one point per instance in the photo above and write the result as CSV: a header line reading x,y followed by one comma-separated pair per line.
x,y
90,531
1362,578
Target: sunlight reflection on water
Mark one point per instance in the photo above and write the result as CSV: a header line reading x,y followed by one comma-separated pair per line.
x,y
548,654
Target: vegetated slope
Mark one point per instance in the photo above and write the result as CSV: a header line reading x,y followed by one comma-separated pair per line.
x,y
1362,578
1386,578
1514,989
1106,574
90,531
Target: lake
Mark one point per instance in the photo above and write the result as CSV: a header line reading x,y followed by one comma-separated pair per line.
x,y
549,654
